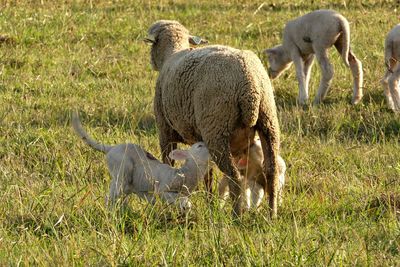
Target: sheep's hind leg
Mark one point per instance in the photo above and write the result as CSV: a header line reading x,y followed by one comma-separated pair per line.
x,y
394,88
224,160
327,75
357,72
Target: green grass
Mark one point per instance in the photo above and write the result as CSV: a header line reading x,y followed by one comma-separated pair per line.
x,y
342,197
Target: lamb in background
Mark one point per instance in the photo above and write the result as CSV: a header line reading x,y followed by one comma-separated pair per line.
x,y
250,165
134,170
390,81
216,94
309,35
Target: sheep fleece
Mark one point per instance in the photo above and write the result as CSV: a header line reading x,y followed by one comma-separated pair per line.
x,y
213,91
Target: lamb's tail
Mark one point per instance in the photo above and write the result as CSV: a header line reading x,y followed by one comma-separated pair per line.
x,y
388,53
268,129
345,39
76,124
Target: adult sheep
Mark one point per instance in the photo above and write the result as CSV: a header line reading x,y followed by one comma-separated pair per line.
x,y
216,94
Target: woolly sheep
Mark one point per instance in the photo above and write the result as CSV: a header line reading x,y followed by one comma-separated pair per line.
x,y
250,167
309,35
134,170
390,81
216,94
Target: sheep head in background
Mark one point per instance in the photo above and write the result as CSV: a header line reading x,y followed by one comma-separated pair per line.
x,y
216,94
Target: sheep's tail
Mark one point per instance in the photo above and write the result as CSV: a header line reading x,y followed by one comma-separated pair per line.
x,y
388,53
344,39
268,129
76,124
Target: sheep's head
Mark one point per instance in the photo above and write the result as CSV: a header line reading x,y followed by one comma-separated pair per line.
x,y
278,61
167,37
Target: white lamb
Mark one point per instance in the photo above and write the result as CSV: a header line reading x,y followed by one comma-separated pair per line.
x,y
390,81
134,170
250,165
309,35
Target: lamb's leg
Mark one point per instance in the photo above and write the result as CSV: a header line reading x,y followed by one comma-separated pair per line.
x,y
308,62
385,84
116,189
301,78
326,73
357,72
394,88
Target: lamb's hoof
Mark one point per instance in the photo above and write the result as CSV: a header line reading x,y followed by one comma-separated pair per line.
x,y
317,102
302,102
356,100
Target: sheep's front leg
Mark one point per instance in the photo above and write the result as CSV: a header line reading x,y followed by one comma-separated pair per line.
x,y
301,78
394,88
223,188
208,180
168,138
326,72
357,72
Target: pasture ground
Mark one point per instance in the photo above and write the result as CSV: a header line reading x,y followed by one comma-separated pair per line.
x,y
342,197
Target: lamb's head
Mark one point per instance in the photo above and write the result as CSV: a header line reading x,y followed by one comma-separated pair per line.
x,y
253,159
198,153
166,38
278,61
196,165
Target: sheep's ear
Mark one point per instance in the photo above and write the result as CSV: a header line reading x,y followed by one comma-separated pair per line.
x,y
179,154
150,39
269,51
196,40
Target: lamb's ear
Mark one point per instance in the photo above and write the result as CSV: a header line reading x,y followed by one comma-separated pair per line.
x,y
179,154
196,40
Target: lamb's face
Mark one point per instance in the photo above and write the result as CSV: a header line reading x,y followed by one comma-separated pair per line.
x,y
277,61
199,152
251,159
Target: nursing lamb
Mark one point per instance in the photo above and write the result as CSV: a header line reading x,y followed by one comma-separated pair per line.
x,y
250,166
216,94
134,170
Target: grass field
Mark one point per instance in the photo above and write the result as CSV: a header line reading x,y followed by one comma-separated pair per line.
x,y
342,197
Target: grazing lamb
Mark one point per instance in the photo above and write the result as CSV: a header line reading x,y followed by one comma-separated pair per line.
x,y
390,81
216,94
312,34
250,166
135,170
